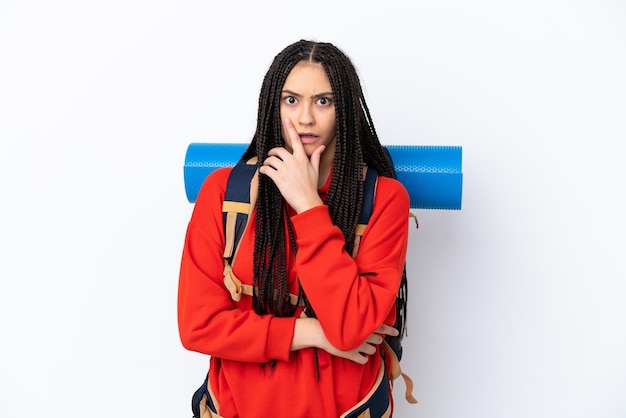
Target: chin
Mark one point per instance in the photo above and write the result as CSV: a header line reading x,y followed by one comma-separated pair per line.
x,y
309,148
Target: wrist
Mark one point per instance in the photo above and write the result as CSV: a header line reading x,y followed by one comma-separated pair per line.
x,y
308,204
307,334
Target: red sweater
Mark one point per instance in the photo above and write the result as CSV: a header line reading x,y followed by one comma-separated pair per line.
x,y
350,306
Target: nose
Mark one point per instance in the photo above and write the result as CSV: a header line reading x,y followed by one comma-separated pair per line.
x,y
305,116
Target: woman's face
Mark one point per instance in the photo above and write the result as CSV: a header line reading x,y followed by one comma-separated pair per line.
x,y
307,100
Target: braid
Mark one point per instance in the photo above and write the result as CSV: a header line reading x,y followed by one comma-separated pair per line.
x,y
270,262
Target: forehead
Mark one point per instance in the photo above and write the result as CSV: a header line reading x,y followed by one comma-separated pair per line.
x,y
307,77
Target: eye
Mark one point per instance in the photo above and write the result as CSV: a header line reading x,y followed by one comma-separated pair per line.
x,y
290,100
324,101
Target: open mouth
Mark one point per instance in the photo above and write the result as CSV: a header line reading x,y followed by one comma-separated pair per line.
x,y
308,138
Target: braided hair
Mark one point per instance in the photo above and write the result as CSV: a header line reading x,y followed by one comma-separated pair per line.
x,y
356,144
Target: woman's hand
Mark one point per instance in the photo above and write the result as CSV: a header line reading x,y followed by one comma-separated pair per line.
x,y
361,353
308,333
294,173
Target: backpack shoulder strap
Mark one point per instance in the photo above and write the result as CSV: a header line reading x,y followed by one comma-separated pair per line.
x,y
369,190
239,200
392,348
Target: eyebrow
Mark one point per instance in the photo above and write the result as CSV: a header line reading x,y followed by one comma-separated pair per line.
x,y
315,96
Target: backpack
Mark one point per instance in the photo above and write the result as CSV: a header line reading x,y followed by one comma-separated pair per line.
x,y
239,201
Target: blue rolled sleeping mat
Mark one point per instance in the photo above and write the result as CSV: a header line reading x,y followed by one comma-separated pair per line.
x,y
431,174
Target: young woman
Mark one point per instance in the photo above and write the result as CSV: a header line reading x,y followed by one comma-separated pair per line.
x,y
306,341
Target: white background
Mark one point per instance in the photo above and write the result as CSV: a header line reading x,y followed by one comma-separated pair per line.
x,y
516,301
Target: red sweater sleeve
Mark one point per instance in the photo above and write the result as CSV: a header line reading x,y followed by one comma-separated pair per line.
x,y
208,320
353,297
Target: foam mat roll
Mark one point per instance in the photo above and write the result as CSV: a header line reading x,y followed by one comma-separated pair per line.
x,y
432,175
